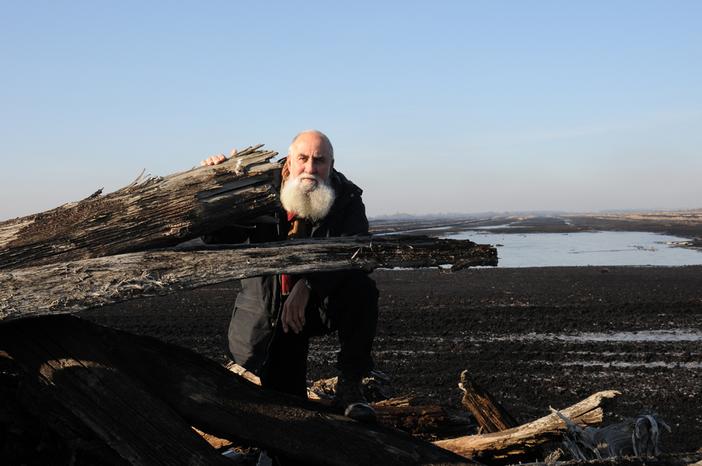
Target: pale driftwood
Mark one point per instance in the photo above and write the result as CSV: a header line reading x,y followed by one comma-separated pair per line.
x,y
135,393
490,415
527,436
83,284
149,213
243,372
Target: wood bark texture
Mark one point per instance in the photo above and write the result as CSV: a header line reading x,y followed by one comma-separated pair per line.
x,y
666,459
490,415
140,396
517,440
151,212
87,283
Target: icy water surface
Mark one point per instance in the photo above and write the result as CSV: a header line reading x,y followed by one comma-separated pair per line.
x,y
585,248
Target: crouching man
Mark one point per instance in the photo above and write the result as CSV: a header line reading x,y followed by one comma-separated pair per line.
x,y
275,316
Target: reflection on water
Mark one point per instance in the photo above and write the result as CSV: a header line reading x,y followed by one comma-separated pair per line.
x,y
584,248
625,364
640,336
657,336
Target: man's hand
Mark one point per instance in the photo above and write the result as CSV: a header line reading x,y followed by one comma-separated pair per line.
x,y
293,316
217,159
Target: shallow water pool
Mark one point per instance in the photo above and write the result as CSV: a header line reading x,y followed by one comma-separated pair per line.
x,y
584,248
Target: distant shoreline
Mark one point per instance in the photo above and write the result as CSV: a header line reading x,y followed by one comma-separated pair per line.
x,y
682,224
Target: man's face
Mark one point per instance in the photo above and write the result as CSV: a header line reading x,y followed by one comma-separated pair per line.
x,y
309,158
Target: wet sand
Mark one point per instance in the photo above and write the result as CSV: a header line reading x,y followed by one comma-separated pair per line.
x,y
535,337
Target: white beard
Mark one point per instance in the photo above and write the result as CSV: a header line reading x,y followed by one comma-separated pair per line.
x,y
308,196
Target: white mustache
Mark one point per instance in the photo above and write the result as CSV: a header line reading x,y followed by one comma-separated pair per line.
x,y
310,177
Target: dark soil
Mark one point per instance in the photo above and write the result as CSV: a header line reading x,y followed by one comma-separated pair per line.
x,y
505,326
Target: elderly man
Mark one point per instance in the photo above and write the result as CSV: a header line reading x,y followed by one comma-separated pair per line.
x,y
275,316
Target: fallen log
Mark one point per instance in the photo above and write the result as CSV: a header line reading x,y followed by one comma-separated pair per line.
x,y
490,415
152,212
666,459
88,398
425,421
517,440
37,430
83,284
140,396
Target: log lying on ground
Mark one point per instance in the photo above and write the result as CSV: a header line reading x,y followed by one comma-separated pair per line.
x,y
666,459
487,411
519,439
426,421
38,430
405,413
83,284
149,213
140,396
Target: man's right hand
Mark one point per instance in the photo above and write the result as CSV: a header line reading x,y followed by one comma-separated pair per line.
x,y
216,159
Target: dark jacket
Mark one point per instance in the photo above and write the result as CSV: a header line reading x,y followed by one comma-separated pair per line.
x,y
258,305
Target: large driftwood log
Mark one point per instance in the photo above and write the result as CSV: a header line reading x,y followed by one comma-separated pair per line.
x,y
140,396
522,438
83,284
38,430
149,213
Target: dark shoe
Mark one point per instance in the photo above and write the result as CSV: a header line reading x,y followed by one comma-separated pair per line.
x,y
350,398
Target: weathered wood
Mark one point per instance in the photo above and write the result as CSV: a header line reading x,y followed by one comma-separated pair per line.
x,y
149,213
406,413
133,391
78,377
527,436
674,459
487,411
37,430
425,421
83,284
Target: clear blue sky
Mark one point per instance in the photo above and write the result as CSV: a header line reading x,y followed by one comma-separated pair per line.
x,y
461,106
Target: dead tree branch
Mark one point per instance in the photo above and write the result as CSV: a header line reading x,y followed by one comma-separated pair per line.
x,y
526,436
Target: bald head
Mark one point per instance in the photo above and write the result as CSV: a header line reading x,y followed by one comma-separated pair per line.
x,y
311,139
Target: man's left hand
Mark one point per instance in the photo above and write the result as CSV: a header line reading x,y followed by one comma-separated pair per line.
x,y
293,317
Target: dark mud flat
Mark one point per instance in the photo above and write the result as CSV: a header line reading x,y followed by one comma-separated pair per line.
x,y
536,337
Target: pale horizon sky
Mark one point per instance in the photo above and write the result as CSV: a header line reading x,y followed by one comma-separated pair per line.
x,y
447,106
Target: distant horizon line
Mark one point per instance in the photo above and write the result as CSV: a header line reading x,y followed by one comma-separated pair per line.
x,y
400,215
481,214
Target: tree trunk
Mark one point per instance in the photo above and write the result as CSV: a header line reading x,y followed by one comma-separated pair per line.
x,y
149,213
83,284
141,396
488,412
519,439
